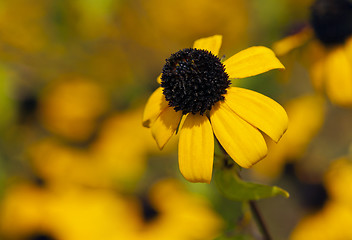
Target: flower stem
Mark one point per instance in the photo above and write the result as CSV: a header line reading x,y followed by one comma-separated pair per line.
x,y
260,221
253,206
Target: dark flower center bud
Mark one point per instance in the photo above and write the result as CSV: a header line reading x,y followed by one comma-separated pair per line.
x,y
40,236
332,20
148,211
194,80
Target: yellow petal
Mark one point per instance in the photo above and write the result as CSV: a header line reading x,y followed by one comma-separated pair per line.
x,y
196,149
155,105
212,44
339,77
289,43
259,110
165,126
306,115
315,56
252,61
159,79
243,142
317,71
349,48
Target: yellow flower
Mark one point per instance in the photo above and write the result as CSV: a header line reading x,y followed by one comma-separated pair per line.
x,y
71,107
179,214
334,220
195,89
168,212
120,160
339,179
68,214
329,53
109,160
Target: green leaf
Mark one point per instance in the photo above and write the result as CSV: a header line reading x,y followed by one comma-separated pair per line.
x,y
236,189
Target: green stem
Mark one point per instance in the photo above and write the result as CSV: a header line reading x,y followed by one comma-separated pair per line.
x,y
253,206
260,221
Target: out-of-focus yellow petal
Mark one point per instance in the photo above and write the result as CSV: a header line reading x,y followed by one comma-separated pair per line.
x,y
315,56
196,149
155,105
252,61
289,43
159,79
165,126
338,179
182,215
306,117
333,221
212,44
348,47
71,106
243,142
317,74
259,110
339,77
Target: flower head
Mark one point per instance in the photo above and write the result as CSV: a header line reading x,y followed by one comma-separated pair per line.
x,y
336,212
330,53
195,88
193,80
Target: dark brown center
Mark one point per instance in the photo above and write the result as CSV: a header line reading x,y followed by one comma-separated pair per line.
x,y
193,80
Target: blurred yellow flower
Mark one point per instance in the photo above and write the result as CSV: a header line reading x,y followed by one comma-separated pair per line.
x,y
306,115
338,181
71,106
195,87
334,220
118,155
68,214
88,213
61,165
329,52
123,145
180,215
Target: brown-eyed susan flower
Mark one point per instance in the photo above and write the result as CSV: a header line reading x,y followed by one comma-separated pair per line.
x,y
337,211
329,51
195,88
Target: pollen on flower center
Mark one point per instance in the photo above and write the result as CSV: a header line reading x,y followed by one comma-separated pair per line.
x,y
193,80
332,20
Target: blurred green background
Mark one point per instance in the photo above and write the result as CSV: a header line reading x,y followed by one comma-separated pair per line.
x,y
75,162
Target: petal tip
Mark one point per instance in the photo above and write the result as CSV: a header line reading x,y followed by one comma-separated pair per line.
x,y
198,180
160,145
280,65
280,136
251,164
